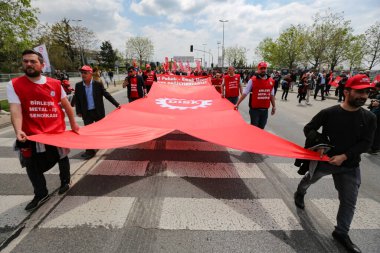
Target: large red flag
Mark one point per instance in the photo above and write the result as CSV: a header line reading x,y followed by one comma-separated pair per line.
x,y
195,109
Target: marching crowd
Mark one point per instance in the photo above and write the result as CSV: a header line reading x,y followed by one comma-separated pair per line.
x,y
36,104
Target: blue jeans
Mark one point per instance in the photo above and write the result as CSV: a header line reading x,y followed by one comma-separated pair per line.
x,y
347,182
259,117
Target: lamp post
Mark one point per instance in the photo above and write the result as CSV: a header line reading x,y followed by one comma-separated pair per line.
x,y
218,52
204,55
77,33
223,21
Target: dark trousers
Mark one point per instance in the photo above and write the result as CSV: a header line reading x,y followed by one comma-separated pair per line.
x,y
285,92
148,88
319,88
233,99
340,94
90,118
259,117
37,178
376,139
347,182
130,100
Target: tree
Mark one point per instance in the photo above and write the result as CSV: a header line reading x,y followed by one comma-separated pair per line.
x,y
372,54
317,38
338,40
355,52
268,51
290,46
140,48
17,20
236,56
108,56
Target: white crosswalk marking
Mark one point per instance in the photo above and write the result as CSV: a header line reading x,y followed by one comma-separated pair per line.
x,y
73,211
367,213
227,215
12,209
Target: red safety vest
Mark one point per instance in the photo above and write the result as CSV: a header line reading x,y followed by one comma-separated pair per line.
x,y
261,92
149,81
134,92
41,112
232,85
215,82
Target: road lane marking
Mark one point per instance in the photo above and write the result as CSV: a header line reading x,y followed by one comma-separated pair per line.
x,y
12,209
74,211
367,213
226,215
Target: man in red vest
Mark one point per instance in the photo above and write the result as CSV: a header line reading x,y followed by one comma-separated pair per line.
x,y
262,87
149,77
135,85
35,105
217,81
231,85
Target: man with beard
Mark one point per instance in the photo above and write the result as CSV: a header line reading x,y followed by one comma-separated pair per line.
x,y
35,106
262,87
350,129
149,77
231,86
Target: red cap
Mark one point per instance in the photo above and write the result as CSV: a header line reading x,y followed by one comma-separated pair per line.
x,y
147,66
262,64
86,68
359,82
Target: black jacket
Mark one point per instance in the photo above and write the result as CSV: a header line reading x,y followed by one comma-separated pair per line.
x,y
99,92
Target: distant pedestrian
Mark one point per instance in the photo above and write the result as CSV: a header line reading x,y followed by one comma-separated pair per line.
x,y
320,85
135,85
149,77
285,85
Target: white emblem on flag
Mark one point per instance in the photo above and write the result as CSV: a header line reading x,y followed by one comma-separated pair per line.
x,y
182,104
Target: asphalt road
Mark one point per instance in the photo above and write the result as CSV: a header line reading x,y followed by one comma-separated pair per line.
x,y
181,194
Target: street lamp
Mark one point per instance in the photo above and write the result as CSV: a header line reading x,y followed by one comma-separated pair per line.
x,y
204,55
223,21
78,35
218,51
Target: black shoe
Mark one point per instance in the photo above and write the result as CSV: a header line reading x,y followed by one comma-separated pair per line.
x,y
64,188
299,200
36,202
346,242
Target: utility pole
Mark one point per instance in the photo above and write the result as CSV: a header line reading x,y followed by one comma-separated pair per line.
x,y
223,21
218,52
204,55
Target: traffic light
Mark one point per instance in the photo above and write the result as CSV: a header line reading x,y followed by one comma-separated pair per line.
x,y
191,48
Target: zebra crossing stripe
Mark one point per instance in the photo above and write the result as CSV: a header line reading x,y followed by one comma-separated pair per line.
x,y
226,215
90,211
367,213
12,209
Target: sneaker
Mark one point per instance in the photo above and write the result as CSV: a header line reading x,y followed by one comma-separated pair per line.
x,y
64,188
36,202
299,200
346,242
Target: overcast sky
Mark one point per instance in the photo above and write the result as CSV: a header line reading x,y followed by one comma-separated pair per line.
x,y
174,25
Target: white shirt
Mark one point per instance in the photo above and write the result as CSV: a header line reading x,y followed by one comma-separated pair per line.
x,y
14,99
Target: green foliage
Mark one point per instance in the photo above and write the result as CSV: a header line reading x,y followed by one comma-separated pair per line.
x,y
372,45
236,56
108,56
4,105
17,20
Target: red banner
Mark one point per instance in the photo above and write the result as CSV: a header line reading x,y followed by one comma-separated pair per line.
x,y
336,81
197,110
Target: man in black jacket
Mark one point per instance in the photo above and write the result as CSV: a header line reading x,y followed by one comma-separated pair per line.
x,y
89,101
135,85
350,129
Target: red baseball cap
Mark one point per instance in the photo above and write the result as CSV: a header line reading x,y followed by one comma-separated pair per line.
x,y
359,82
147,66
262,64
86,68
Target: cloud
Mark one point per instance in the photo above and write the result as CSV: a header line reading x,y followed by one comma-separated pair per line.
x,y
174,25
